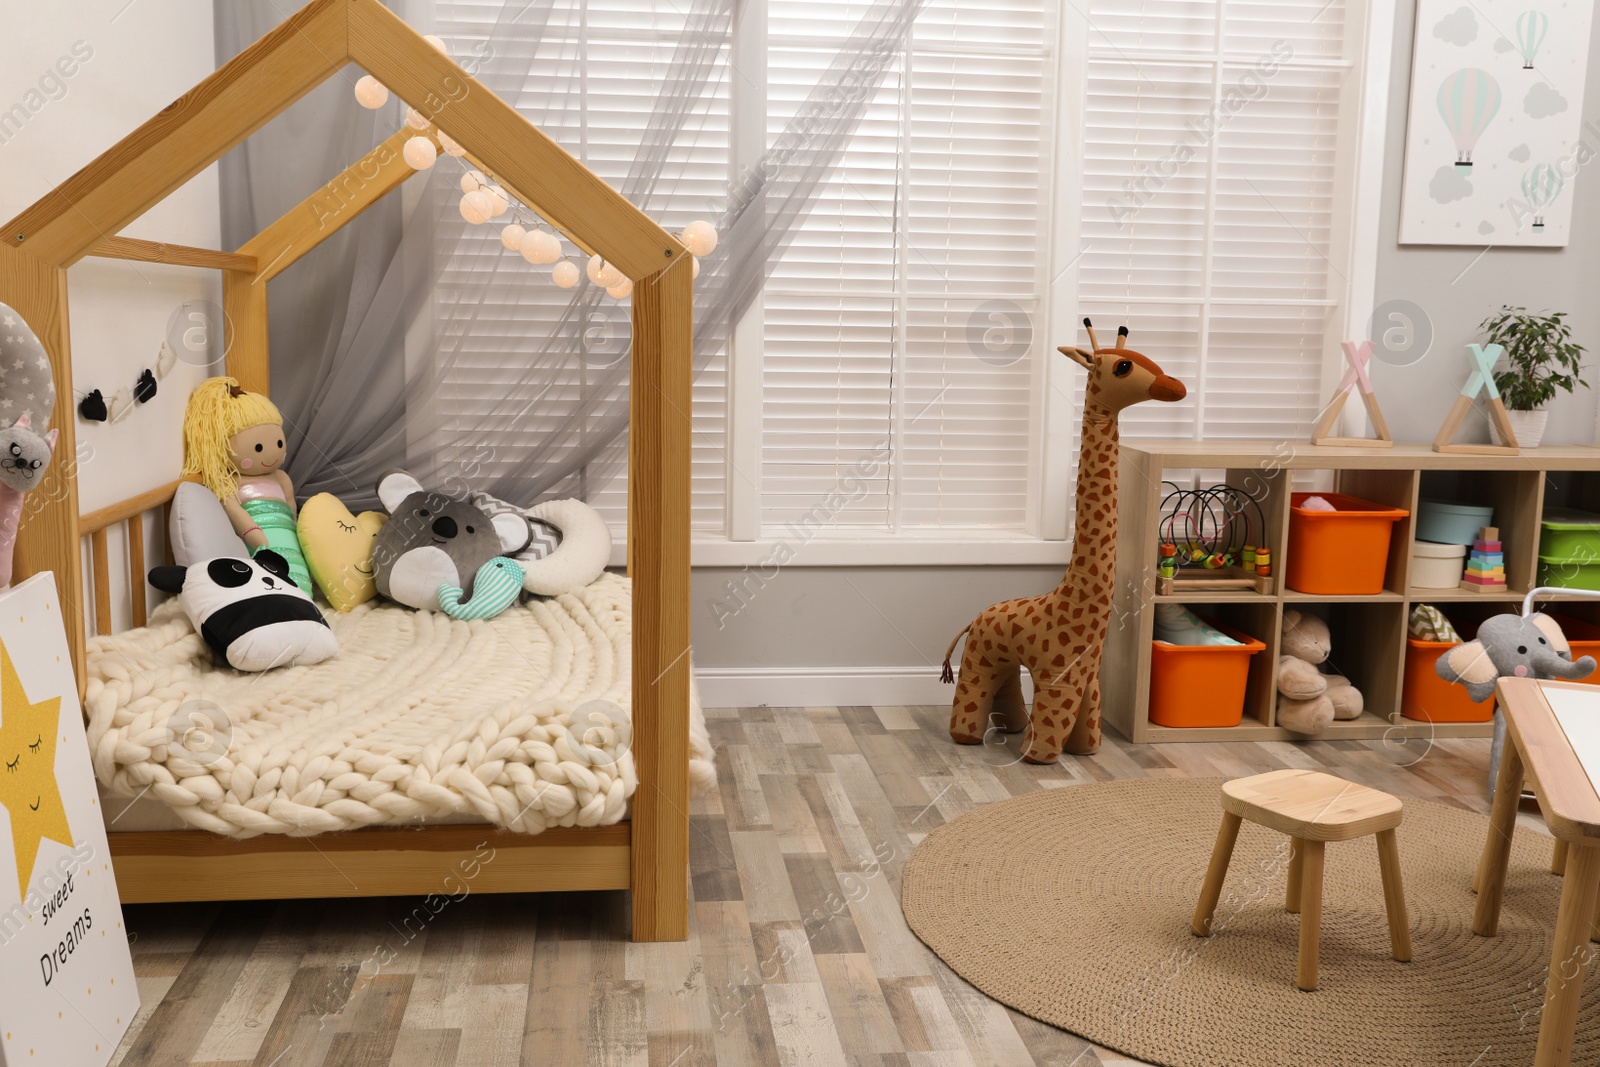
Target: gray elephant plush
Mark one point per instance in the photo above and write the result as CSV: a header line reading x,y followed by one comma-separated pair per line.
x,y
1510,646
434,540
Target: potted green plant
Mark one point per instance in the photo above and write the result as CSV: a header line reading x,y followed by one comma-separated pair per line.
x,y
1540,360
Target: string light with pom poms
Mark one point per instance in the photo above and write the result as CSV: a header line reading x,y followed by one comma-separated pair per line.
x,y
699,237
371,93
565,274
540,247
419,153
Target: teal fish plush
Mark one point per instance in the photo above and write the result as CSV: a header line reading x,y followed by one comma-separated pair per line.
x,y
495,588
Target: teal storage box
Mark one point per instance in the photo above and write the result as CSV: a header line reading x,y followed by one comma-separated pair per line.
x,y
1570,535
1567,574
1451,524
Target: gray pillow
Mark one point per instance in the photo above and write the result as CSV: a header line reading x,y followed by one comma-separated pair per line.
x,y
200,529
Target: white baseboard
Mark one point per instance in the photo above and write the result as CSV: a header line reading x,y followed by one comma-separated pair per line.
x,y
792,687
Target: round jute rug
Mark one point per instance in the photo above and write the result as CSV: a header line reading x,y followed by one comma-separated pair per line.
x,y
1072,905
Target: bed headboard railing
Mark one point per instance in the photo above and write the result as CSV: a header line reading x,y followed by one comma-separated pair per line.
x,y
95,525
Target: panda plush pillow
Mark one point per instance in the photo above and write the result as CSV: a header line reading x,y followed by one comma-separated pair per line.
x,y
250,611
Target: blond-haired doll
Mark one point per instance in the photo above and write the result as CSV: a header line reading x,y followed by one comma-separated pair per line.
x,y
233,440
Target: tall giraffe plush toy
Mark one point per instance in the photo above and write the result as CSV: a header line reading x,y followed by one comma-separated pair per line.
x,y
1058,637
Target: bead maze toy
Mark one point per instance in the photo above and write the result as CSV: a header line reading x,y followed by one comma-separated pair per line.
x,y
1208,541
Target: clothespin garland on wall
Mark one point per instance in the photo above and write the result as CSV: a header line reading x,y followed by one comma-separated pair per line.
x,y
1358,355
95,408
1480,380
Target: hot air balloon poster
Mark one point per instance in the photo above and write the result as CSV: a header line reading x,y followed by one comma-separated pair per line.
x,y
1494,136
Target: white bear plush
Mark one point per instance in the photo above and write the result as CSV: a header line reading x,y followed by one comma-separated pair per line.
x,y
249,611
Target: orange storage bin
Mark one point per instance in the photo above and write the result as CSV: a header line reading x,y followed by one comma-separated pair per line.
x,y
1426,697
1201,685
1584,637
1343,552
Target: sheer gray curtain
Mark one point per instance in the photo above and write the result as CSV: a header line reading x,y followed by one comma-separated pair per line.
x,y
358,357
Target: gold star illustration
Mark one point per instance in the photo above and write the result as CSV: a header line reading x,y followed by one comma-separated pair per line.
x,y
28,787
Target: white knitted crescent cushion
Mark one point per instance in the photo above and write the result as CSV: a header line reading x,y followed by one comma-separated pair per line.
x,y
521,720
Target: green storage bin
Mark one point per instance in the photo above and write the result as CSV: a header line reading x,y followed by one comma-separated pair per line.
x,y
1570,536
1569,574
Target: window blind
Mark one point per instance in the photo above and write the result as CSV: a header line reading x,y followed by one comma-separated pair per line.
x,y
1209,161
594,73
901,328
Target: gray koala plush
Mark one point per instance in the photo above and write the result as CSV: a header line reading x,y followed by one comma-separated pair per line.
x,y
432,539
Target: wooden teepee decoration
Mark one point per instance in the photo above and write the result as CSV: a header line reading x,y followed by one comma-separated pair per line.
x,y
1358,355
1480,380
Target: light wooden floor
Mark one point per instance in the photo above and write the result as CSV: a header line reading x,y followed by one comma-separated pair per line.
x,y
798,953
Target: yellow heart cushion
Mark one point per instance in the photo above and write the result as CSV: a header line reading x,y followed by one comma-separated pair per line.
x,y
338,549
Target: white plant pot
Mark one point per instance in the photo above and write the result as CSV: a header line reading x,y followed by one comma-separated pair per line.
x,y
1527,425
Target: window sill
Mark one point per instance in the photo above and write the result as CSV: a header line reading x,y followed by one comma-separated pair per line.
x,y
868,552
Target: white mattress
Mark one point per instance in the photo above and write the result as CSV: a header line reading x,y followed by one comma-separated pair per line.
x,y
521,721
145,814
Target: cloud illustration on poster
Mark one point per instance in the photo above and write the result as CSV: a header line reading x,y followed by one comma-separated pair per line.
x,y
1542,101
1486,227
1459,27
1449,184
1520,154
1503,46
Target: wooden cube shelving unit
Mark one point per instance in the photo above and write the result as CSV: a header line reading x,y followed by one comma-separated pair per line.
x,y
1368,632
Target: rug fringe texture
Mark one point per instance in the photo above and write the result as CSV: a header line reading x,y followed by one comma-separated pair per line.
x,y
522,720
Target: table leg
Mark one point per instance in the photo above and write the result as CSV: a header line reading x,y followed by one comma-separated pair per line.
x,y
1497,849
1310,913
1569,957
1211,892
1394,895
1291,898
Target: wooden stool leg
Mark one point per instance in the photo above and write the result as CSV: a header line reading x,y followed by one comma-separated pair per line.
x,y
1310,913
1394,895
1558,857
1211,892
1564,986
1291,898
1497,849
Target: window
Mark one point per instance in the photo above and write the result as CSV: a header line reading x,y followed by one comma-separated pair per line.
x,y
1212,184
907,313
902,349
595,72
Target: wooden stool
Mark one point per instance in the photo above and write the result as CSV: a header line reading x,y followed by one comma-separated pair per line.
x,y
1313,809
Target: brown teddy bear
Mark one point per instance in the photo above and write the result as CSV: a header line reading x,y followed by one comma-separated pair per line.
x,y
1309,700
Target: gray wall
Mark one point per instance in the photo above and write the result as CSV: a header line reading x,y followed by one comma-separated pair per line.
x,y
851,616
1415,398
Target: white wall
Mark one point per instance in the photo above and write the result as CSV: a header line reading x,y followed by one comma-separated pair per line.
x,y
131,60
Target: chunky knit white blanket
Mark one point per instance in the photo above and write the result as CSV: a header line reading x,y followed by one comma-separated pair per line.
x,y
521,721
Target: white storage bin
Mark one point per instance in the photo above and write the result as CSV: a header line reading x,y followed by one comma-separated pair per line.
x,y
1435,566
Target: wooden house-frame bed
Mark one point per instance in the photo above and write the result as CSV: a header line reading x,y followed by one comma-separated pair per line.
x,y
649,853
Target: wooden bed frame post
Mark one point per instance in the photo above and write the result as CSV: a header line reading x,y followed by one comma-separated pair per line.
x,y
244,306
38,292
658,545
